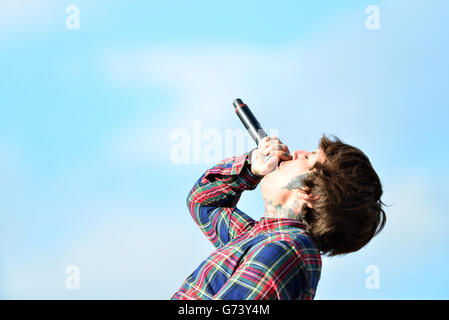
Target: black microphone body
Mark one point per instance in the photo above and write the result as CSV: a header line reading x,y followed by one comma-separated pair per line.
x,y
249,121
251,124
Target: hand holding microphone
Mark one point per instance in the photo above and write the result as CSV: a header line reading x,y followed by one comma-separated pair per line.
x,y
270,150
273,147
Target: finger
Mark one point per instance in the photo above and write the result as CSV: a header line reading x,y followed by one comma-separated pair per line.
x,y
286,156
268,140
273,147
263,141
282,155
270,165
275,139
271,143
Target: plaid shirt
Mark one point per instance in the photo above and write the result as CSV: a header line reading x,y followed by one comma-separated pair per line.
x,y
273,258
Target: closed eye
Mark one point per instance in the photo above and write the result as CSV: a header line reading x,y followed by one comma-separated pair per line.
x,y
313,153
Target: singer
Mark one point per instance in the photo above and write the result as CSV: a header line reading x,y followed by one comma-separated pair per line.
x,y
321,202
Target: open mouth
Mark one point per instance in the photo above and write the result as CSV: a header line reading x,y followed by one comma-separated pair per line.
x,y
281,164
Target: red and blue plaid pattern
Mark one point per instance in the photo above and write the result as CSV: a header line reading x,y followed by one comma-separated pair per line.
x,y
273,258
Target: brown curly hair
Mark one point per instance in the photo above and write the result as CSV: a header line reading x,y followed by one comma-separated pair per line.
x,y
349,212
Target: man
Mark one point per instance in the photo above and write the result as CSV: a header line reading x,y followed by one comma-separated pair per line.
x,y
321,202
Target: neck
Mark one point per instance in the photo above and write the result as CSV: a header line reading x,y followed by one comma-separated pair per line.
x,y
289,209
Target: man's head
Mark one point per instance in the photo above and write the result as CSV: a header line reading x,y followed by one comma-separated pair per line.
x,y
336,191
286,182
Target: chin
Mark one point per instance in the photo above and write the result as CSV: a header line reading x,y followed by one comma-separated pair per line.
x,y
266,183
263,184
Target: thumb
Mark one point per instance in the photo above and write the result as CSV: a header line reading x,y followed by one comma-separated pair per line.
x,y
271,163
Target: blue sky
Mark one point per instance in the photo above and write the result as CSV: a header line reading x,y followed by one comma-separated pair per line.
x,y
88,116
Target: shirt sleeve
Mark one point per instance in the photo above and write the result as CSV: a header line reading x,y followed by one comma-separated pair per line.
x,y
275,272
213,199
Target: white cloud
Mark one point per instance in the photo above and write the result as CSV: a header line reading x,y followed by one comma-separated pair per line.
x,y
26,15
281,85
285,86
137,252
342,79
124,254
327,83
413,237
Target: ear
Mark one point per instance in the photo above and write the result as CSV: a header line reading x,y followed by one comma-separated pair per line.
x,y
308,197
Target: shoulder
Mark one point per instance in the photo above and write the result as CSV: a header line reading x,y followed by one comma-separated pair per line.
x,y
305,242
274,245
298,241
279,246
299,245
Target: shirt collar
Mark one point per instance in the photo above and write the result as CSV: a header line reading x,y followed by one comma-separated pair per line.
x,y
280,224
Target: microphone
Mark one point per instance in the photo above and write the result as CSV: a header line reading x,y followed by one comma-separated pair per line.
x,y
250,122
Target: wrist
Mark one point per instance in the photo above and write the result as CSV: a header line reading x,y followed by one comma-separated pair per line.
x,y
249,164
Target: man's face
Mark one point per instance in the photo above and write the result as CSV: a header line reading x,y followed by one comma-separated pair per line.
x,y
274,185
